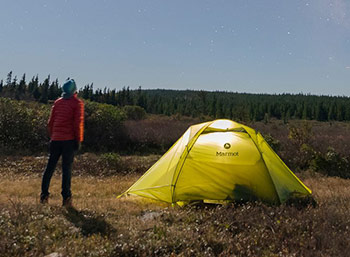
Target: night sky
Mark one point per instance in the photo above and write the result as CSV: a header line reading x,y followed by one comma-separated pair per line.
x,y
241,46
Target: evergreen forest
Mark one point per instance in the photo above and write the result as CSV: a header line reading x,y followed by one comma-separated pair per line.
x,y
202,104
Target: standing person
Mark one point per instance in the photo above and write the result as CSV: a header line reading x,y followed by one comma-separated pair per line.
x,y
66,129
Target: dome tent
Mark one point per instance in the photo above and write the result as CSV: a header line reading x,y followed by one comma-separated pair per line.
x,y
219,160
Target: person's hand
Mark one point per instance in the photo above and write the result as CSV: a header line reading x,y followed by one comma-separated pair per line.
x,y
77,146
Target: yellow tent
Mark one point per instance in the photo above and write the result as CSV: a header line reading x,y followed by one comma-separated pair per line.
x,y
219,160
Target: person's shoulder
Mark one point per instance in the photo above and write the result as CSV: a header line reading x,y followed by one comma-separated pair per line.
x,y
77,100
58,100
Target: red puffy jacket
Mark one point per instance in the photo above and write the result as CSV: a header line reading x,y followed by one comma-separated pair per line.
x,y
67,119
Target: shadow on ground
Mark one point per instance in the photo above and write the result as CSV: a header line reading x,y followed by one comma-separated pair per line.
x,y
89,223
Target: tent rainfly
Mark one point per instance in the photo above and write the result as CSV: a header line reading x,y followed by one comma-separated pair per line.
x,y
218,161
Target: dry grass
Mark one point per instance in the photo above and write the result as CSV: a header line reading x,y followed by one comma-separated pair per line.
x,y
101,225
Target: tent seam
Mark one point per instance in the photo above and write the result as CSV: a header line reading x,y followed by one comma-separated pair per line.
x,y
263,160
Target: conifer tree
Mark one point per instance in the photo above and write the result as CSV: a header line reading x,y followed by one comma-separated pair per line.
x,y
321,113
340,112
13,86
9,79
21,88
332,112
140,99
305,114
44,90
128,97
54,90
212,111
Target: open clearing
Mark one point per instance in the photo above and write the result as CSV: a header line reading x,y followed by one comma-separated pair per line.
x,y
101,225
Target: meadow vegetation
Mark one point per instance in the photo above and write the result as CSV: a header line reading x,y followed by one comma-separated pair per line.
x,y
121,143
303,144
102,225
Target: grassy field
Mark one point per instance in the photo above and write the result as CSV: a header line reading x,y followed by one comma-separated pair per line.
x,y
101,225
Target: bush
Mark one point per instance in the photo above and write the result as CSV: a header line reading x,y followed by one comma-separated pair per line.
x,y
104,130
331,164
300,136
112,160
134,112
273,142
23,126
301,133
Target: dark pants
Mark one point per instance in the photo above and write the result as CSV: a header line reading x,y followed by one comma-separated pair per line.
x,y
58,148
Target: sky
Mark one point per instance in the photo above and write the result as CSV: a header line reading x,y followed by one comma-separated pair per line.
x,y
269,46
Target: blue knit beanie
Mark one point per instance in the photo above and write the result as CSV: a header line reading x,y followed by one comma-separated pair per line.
x,y
69,88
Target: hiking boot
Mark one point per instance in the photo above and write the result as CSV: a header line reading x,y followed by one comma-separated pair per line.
x,y
68,203
44,199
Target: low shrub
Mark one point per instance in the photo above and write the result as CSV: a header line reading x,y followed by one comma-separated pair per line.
x,y
23,126
104,130
134,112
112,160
300,134
273,142
331,164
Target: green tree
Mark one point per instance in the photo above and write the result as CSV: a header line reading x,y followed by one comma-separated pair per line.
x,y
13,86
21,88
321,112
1,86
9,79
54,90
44,90
332,112
212,110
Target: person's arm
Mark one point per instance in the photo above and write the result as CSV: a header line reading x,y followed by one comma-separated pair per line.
x,y
51,121
79,122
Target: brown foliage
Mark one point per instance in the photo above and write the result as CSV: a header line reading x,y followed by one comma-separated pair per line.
x,y
310,144
157,133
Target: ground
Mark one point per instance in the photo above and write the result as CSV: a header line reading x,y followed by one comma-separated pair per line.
x,y
102,225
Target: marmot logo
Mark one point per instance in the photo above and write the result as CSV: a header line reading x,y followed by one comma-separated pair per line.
x,y
227,146
233,154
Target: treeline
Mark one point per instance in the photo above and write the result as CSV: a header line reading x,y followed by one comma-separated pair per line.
x,y
243,106
32,90
202,104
